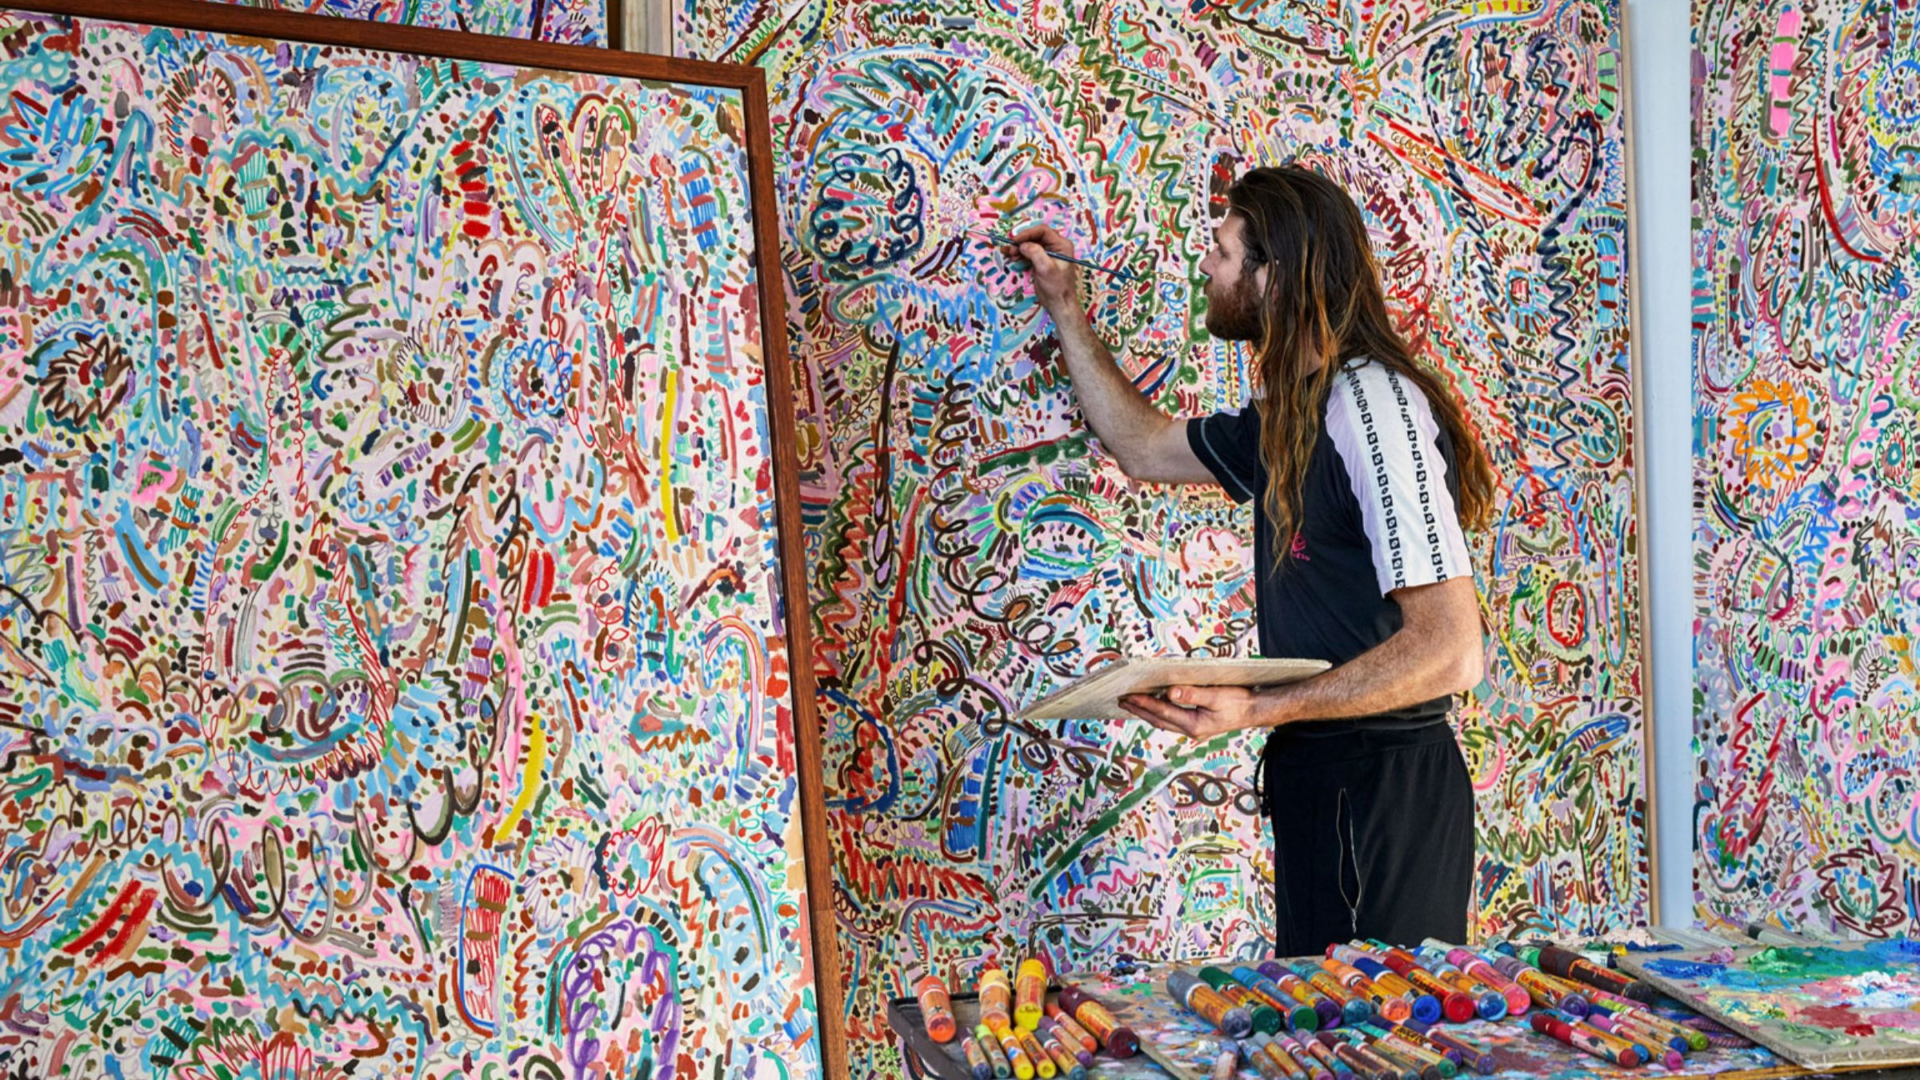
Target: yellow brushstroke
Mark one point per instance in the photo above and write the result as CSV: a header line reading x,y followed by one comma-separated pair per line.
x,y
666,454
529,779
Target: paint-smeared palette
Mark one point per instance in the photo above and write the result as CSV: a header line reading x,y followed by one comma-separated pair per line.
x,y
1819,1006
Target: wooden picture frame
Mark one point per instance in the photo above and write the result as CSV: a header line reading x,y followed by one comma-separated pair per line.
x,y
1643,558
792,608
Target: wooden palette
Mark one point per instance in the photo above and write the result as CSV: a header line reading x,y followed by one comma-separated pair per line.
x,y
1822,1006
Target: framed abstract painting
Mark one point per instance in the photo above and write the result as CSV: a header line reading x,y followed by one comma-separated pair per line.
x,y
400,587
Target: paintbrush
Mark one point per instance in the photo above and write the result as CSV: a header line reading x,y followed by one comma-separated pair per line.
x,y
1123,275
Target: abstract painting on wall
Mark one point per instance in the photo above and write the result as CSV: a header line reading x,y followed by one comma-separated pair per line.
x,y
1806,484
394,678
970,545
565,22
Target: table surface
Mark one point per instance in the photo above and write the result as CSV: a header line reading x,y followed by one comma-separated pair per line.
x,y
1179,1045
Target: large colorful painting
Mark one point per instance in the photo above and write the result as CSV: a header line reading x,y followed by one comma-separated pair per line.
x,y
970,545
393,674
567,22
1806,488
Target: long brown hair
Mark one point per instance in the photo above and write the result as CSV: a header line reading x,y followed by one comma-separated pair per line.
x,y
1323,300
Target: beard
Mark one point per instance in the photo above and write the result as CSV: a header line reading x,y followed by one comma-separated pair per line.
x,y
1235,314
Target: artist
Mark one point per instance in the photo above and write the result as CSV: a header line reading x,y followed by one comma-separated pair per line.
x,y
1362,472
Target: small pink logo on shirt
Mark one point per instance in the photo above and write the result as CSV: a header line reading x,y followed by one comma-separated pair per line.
x,y
1299,549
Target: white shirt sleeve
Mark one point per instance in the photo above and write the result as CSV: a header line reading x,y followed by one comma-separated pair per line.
x,y
1389,442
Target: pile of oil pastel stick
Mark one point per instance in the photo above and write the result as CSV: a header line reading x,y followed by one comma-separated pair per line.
x,y
1379,1012
1020,1033
1368,1010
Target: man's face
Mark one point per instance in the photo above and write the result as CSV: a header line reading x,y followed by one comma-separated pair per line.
x,y
1233,295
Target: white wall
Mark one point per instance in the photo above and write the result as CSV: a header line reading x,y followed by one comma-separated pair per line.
x,y
1659,55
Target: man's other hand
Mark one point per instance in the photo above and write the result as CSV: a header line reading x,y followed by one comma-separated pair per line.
x,y
1198,712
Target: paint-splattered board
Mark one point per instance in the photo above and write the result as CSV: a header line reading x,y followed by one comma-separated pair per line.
x,y
1851,1004
1177,1044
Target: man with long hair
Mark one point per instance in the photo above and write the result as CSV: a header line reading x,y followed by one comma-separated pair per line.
x,y
1363,472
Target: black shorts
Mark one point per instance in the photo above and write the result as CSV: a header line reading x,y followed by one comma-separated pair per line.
x,y
1372,833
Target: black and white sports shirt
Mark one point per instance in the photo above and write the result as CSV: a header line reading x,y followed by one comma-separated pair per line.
x,y
1377,514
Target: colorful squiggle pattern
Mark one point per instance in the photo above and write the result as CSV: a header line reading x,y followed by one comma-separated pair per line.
x,y
391,676
970,545
1806,493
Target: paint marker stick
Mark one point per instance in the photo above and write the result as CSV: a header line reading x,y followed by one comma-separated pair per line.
x,y
989,1043
1029,994
1641,1008
1553,1023
1573,995
1618,1042
1383,1059
1630,1026
1349,1054
1694,1037
1313,1057
1308,1066
1476,966
1229,1019
1042,1061
1293,1067
1416,1032
1064,1063
1448,1068
1488,1003
1016,1055
1387,979
996,999
936,1007
1483,978
1649,1050
1227,1065
1414,969
1406,1064
1071,1030
1419,1034
1299,1014
977,1059
1571,965
1256,1057
1294,982
1051,1028
1455,1005
1324,1054
1538,990
1353,1008
1547,991
1473,1057
1266,1019
1388,1005
1388,1067
1119,1039
1426,1008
